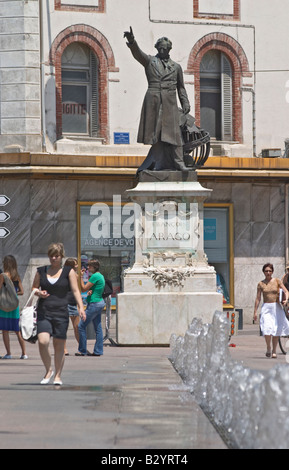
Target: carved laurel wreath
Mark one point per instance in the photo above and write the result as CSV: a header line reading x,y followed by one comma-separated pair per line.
x,y
170,276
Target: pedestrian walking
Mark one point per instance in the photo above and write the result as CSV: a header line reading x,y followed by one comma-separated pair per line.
x,y
72,304
52,284
9,321
95,305
273,322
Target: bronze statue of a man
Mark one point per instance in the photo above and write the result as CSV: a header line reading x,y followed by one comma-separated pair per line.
x,y
160,116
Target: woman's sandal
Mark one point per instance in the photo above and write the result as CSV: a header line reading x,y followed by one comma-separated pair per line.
x,y
268,354
274,356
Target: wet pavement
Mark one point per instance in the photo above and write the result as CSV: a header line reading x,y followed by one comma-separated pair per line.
x,y
131,398
250,350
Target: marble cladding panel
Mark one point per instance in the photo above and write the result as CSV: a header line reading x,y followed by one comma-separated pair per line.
x,y
241,196
277,204
260,203
154,317
66,233
267,239
43,200
103,190
222,192
242,239
65,200
42,234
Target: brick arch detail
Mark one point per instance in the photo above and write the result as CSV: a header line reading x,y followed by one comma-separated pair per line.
x,y
102,49
240,68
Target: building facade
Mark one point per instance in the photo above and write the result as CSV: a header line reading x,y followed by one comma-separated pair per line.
x,y
71,96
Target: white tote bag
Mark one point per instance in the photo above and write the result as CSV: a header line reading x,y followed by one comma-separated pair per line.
x,y
28,319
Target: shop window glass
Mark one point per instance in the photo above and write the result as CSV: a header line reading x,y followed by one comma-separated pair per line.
x,y
218,246
109,237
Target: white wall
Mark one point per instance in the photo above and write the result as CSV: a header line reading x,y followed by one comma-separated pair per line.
x,y
262,32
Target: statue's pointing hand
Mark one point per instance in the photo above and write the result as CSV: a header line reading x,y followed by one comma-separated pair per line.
x,y
129,36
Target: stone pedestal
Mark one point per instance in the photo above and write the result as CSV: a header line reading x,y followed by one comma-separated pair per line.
x,y
171,281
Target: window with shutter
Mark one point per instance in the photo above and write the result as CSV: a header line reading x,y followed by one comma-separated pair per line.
x,y
94,95
79,91
216,95
227,111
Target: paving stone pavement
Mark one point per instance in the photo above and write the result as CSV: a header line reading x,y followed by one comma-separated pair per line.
x,y
130,398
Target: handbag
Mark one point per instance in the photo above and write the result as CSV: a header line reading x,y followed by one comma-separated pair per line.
x,y
108,289
28,320
282,298
8,297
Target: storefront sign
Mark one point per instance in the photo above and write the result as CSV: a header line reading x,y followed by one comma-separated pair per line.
x,y
4,200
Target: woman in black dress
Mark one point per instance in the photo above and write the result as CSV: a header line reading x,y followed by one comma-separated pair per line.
x,y
51,284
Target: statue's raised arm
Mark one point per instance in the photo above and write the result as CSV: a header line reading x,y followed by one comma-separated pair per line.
x,y
129,36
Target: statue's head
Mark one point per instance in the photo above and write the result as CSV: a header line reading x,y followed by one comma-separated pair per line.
x,y
163,45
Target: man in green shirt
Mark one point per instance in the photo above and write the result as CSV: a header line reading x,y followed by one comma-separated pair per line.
x,y
95,305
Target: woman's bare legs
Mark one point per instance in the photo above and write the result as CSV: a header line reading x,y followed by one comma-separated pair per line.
x,y
58,356
275,340
6,341
74,321
43,344
21,342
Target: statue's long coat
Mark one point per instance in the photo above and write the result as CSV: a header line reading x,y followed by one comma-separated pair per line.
x,y
160,115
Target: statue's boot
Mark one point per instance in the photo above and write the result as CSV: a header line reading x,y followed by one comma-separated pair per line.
x,y
177,157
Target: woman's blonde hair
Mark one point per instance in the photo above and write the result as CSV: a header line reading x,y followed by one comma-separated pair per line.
x,y
56,249
10,266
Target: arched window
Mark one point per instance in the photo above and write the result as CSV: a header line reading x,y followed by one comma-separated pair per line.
x,y
79,90
216,95
219,64
86,65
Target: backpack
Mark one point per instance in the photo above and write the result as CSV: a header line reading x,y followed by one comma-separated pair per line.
x,y
8,297
108,290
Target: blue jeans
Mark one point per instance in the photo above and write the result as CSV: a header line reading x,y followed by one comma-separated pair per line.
x,y
93,313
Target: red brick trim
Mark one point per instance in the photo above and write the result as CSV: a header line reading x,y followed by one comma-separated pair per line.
x,y
99,9
240,68
102,49
235,17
